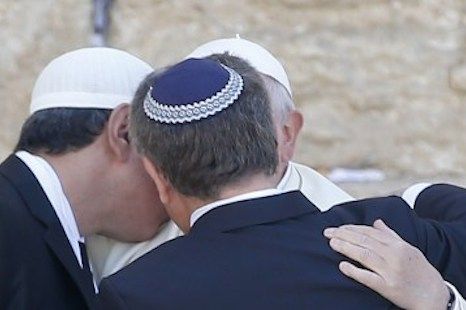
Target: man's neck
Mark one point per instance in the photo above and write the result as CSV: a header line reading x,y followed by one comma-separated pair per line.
x,y
246,185
78,179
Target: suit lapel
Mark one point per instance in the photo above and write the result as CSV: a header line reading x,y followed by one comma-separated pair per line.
x,y
34,197
254,212
56,238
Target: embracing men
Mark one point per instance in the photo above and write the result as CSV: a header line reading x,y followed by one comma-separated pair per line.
x,y
205,129
76,173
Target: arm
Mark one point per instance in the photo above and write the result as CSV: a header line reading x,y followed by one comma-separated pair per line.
x,y
440,219
439,231
395,269
441,202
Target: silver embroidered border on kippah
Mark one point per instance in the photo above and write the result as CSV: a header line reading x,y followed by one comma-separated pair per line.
x,y
193,112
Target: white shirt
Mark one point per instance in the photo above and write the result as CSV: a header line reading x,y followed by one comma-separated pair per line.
x,y
53,189
51,185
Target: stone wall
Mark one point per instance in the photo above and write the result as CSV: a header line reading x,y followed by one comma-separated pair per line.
x,y
381,83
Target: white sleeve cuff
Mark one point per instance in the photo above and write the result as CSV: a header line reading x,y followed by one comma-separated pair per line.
x,y
410,195
460,303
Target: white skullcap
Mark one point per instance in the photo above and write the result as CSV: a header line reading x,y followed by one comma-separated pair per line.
x,y
257,56
97,77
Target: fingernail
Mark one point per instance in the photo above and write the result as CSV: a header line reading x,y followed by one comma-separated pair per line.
x,y
344,267
379,223
328,232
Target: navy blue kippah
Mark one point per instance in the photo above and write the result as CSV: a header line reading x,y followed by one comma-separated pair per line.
x,y
192,90
189,81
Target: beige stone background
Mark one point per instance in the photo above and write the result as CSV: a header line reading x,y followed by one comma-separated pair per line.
x,y
382,83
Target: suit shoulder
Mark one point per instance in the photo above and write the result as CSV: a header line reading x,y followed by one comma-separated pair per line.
x,y
169,253
393,210
15,215
359,209
153,272
12,206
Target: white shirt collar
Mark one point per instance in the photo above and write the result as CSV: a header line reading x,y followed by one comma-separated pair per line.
x,y
198,213
53,189
262,193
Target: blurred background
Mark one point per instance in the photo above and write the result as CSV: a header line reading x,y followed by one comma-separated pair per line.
x,y
382,83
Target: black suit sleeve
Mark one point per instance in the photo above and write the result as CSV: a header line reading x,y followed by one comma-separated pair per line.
x,y
442,202
5,272
441,220
108,297
437,226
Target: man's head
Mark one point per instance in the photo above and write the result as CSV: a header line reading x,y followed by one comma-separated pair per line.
x,y
287,120
74,96
79,123
257,56
200,153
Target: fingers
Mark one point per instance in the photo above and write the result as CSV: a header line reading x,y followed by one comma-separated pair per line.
x,y
363,236
360,235
365,256
370,246
363,276
369,231
380,225
379,231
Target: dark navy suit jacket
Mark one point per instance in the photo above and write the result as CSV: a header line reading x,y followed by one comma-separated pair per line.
x,y
269,253
38,269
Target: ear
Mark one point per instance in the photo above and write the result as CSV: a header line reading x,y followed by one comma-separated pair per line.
x,y
117,132
164,186
291,130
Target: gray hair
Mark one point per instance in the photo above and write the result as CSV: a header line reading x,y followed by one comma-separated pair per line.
x,y
280,99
